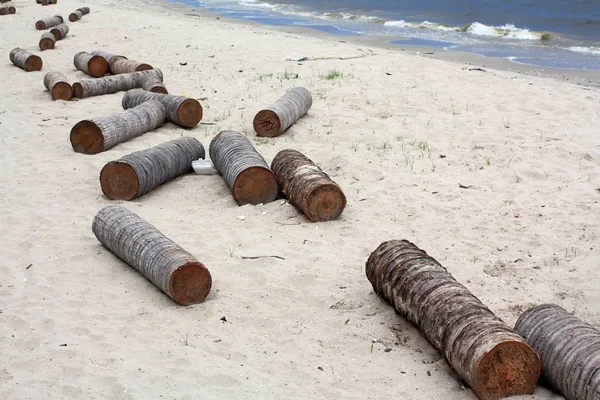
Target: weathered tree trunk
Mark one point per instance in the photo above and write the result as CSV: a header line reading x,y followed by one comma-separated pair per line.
x,y
246,172
113,83
58,85
275,119
95,66
5,10
60,31
75,16
307,187
173,270
183,111
47,41
138,173
486,353
120,65
107,56
569,349
153,83
100,134
25,60
46,23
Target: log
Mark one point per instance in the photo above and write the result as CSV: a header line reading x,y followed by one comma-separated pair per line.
x,y
4,1
52,1
307,187
569,349
170,268
47,41
43,2
112,84
488,355
5,10
47,23
153,83
75,16
84,10
107,56
95,66
60,31
120,65
243,168
183,111
100,134
25,60
138,173
275,119
58,85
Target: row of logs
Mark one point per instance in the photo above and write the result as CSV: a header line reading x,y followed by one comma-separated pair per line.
x,y
78,14
7,10
98,63
49,39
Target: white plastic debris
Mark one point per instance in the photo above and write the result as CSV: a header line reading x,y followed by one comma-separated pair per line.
x,y
204,167
241,217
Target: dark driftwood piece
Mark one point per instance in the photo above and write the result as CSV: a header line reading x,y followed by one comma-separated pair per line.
x,y
183,111
96,135
138,173
170,268
246,172
6,10
46,23
47,41
25,60
114,83
275,119
121,65
58,85
95,66
60,31
569,349
307,187
491,357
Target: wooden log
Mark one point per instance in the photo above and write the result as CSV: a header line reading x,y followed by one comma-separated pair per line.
x,y
569,349
275,119
107,56
60,31
43,2
4,1
6,10
47,23
58,85
96,135
243,168
25,60
138,173
121,65
84,10
75,16
307,187
153,83
488,355
112,84
173,270
95,66
47,41
183,111
52,1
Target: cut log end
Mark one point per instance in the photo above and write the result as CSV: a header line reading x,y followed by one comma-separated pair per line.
x,y
325,203
511,368
190,283
97,66
46,44
33,63
78,90
255,185
189,113
73,17
62,91
119,181
161,90
143,67
86,137
40,25
267,123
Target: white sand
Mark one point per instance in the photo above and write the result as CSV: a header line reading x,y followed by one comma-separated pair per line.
x,y
525,232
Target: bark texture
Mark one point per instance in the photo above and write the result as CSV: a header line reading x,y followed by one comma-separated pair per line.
x,y
138,173
48,22
100,134
491,357
75,16
25,60
47,41
5,10
307,187
183,111
113,83
170,268
275,119
569,349
246,172
60,31
120,65
107,56
95,66
84,10
58,85
153,83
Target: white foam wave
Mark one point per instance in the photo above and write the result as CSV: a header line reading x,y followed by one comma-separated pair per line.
x,y
588,50
508,31
396,24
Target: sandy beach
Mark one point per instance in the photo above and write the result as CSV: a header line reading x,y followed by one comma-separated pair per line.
x,y
495,174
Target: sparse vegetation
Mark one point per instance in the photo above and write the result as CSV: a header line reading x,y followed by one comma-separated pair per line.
x,y
290,75
333,74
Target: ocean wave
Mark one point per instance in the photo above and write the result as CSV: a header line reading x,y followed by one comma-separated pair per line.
x,y
588,50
